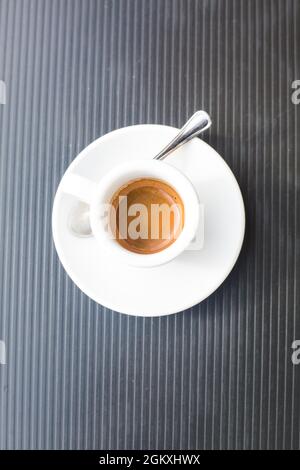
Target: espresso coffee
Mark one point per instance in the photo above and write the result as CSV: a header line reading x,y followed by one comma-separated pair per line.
x,y
147,215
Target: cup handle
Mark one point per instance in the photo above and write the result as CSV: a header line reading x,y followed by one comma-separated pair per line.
x,y
80,187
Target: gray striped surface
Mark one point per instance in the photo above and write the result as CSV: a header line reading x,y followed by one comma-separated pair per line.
x,y
220,374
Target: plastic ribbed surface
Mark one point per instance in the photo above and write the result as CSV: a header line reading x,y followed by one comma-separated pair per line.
x,y
216,376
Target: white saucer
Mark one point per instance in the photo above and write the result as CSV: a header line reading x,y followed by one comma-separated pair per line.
x,y
188,279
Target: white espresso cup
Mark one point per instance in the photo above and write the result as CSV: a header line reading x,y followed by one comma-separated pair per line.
x,y
99,195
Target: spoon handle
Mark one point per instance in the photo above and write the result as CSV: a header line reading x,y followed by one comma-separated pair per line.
x,y
199,122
